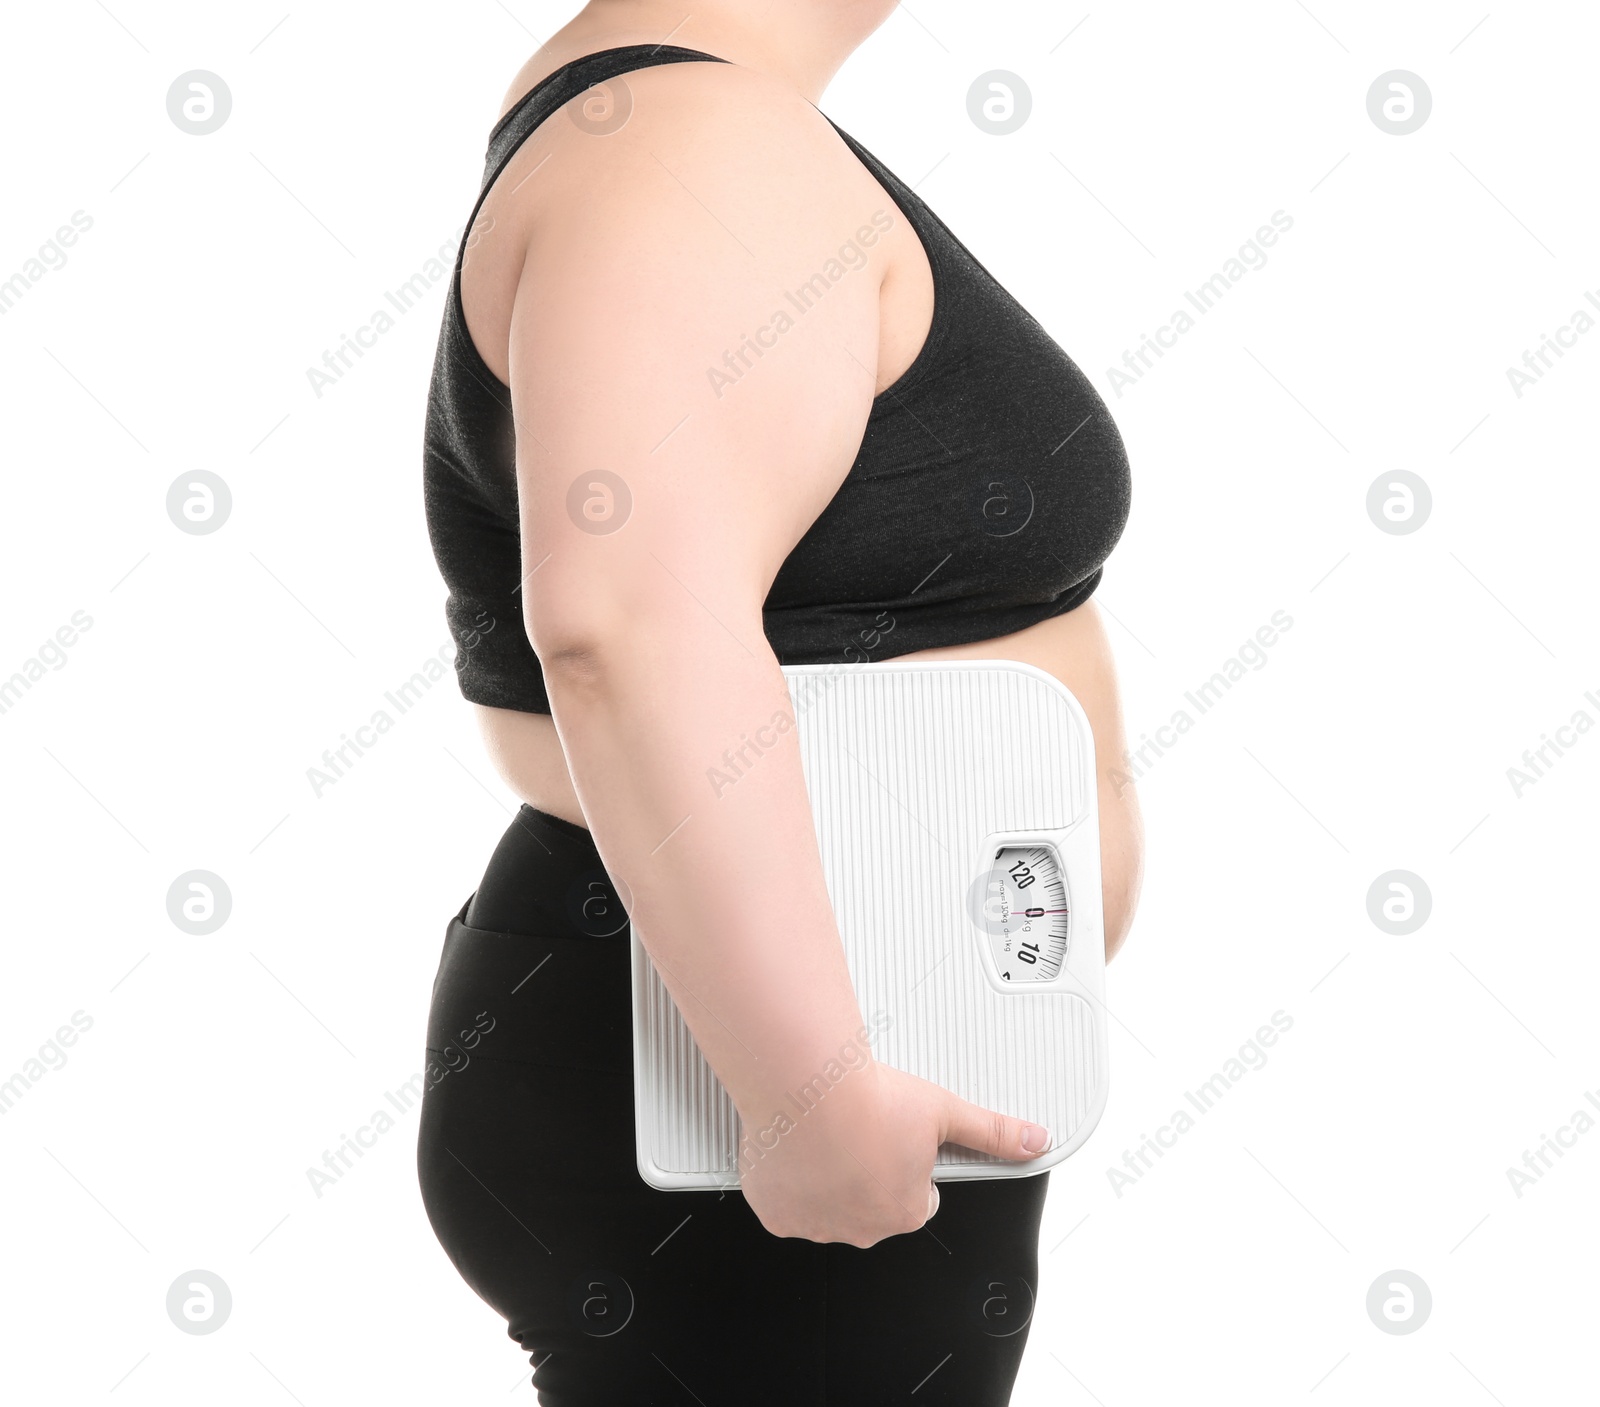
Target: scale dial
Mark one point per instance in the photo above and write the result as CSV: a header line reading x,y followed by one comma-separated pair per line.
x,y
1026,914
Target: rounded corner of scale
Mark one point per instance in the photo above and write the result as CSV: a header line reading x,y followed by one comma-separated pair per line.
x,y
1057,1154
1037,671
670,1180
655,1175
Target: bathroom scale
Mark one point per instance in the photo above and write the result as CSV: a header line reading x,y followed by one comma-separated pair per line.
x,y
957,817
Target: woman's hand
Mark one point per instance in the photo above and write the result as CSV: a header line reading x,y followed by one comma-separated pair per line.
x,y
857,1166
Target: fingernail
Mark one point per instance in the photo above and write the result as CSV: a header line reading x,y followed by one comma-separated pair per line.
x,y
1034,1138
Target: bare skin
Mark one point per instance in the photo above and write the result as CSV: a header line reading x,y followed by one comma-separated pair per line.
x,y
642,675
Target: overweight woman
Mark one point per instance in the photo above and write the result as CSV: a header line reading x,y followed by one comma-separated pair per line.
x,y
717,392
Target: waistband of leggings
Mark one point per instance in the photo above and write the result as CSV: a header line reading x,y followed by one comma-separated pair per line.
x,y
582,834
562,885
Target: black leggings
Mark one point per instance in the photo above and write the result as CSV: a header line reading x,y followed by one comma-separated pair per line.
x,y
628,1296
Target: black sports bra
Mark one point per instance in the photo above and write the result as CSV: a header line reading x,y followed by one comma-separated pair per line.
x,y
990,486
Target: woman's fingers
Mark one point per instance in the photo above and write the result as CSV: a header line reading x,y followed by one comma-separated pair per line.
x,y
973,1126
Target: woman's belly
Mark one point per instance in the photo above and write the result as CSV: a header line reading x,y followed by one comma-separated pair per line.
x,y
1073,647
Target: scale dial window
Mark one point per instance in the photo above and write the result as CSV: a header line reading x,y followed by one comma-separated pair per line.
x,y
1027,918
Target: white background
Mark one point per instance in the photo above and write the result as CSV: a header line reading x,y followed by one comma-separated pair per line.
x,y
1377,736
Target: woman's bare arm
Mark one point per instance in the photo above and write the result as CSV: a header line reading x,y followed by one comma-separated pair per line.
x,y
679,426
659,248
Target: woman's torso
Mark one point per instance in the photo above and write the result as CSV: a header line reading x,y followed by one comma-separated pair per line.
x,y
1071,646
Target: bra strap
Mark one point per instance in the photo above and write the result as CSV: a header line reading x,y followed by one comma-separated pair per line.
x,y
570,81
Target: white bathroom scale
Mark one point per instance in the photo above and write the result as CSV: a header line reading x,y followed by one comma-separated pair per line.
x,y
958,821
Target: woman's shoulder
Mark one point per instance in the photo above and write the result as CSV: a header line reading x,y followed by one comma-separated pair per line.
x,y
719,119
